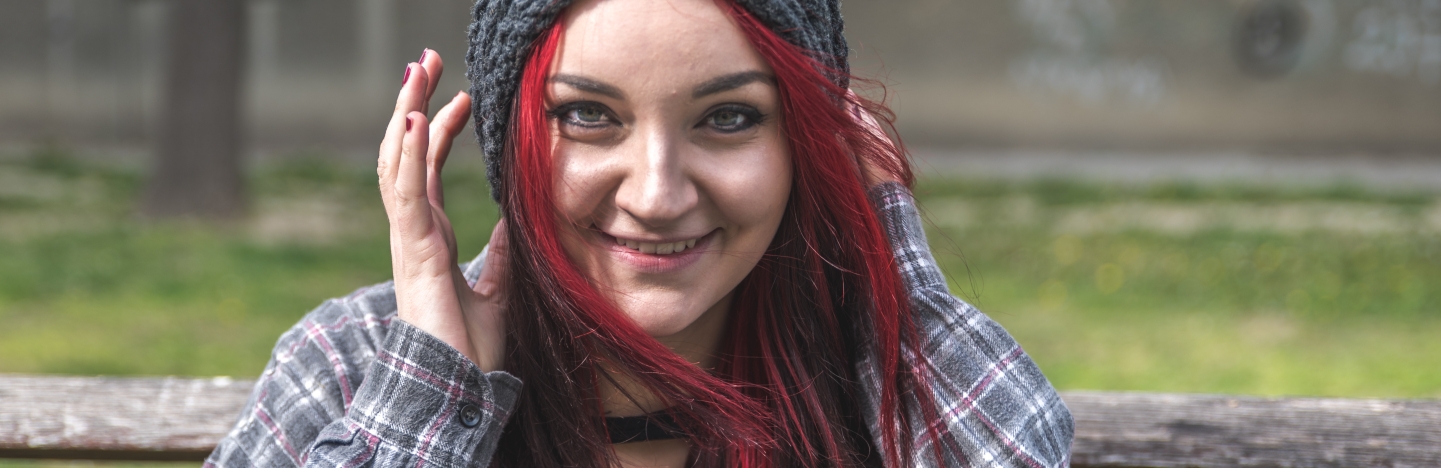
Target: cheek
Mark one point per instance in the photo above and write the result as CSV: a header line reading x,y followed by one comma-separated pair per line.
x,y
580,195
755,193
585,182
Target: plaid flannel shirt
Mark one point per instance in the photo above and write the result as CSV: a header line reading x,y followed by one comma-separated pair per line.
x,y
351,385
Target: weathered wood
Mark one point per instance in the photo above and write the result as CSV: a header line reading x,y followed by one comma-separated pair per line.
x,y
181,419
116,418
1172,430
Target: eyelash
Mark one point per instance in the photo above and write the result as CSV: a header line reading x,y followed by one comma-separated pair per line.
x,y
752,117
562,113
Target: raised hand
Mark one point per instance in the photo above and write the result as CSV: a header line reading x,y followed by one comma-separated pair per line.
x,y
430,291
871,174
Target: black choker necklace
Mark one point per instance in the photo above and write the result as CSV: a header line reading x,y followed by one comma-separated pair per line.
x,y
653,426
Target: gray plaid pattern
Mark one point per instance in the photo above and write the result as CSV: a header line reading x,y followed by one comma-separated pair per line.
x,y
350,385
997,408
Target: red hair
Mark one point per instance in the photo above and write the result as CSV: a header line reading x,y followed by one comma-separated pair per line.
x,y
826,293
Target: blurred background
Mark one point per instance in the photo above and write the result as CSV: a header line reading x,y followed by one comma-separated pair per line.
x,y
1236,196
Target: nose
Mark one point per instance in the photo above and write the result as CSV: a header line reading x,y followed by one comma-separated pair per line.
x,y
656,190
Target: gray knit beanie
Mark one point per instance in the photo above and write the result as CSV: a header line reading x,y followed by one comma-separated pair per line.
x,y
503,31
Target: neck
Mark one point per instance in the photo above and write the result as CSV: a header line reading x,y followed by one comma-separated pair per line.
x,y
698,343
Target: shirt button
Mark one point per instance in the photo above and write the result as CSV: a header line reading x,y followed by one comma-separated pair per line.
x,y
469,415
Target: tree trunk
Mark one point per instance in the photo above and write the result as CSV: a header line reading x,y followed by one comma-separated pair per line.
x,y
198,172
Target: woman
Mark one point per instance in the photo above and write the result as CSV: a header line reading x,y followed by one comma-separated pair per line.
x,y
709,257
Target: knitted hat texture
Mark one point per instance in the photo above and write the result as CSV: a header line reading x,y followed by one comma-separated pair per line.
x,y
502,33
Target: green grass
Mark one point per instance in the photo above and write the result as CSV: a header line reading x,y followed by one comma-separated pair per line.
x,y
88,287
80,464
1171,287
1329,291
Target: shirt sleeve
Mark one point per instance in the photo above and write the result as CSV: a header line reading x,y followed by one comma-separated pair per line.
x,y
352,385
996,406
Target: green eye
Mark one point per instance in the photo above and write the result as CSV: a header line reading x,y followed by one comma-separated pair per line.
x,y
733,118
587,115
728,119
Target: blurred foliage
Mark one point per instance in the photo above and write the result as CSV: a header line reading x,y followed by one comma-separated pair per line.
x,y
1169,287
88,287
1185,288
79,464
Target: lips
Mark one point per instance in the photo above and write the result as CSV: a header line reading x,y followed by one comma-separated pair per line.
x,y
665,248
656,257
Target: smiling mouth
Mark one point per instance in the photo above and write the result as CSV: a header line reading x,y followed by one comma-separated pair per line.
x,y
657,249
651,248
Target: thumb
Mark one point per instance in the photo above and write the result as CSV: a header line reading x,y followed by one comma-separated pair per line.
x,y
497,257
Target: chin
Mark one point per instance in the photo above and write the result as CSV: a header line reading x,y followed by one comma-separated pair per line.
x,y
661,319
661,326
663,330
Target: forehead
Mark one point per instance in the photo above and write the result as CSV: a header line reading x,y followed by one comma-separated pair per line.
x,y
641,41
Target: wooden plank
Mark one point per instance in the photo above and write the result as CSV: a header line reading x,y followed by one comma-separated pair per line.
x,y
181,419
116,418
1176,430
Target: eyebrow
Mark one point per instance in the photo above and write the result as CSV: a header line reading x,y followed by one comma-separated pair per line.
x,y
729,82
589,85
714,85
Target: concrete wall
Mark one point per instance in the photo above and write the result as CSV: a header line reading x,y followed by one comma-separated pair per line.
x,y
1304,75
1142,73
322,74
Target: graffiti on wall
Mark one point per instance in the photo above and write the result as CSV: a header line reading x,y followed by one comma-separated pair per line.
x,y
1070,59
1401,38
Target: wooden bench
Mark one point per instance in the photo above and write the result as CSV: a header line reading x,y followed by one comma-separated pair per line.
x,y
111,418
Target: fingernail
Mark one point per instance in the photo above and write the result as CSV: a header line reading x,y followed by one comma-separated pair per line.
x,y
407,123
423,53
407,75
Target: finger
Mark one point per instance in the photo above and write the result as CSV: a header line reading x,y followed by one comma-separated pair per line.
x,y
876,168
413,87
390,146
413,214
496,259
430,60
389,155
864,117
447,125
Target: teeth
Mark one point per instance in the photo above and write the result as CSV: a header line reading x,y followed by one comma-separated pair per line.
x,y
657,249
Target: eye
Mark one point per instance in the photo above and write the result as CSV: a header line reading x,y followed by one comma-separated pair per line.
x,y
728,119
590,115
583,114
733,119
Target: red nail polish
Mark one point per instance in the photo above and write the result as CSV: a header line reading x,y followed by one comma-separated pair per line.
x,y
423,53
407,123
406,77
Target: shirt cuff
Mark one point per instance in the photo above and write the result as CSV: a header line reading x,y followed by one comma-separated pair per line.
x,y
424,397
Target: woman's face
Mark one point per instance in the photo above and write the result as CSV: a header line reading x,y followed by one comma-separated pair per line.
x,y
672,172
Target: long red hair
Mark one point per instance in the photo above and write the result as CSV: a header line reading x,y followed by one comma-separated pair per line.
x,y
826,294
